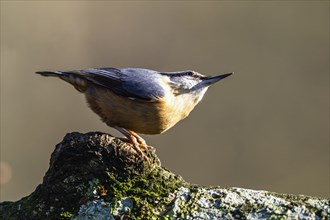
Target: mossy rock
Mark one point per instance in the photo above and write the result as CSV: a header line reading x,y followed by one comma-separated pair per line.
x,y
97,176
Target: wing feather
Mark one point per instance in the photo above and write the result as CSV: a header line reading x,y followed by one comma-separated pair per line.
x,y
134,83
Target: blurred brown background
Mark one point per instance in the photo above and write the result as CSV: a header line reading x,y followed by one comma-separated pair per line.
x,y
266,127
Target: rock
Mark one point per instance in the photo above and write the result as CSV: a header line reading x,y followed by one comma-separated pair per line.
x,y
97,176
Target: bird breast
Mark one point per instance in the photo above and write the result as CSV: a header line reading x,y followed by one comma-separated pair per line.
x,y
146,117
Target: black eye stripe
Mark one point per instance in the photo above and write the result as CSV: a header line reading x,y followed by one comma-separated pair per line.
x,y
184,73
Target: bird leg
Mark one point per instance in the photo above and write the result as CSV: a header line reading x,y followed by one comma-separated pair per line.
x,y
141,141
144,145
137,142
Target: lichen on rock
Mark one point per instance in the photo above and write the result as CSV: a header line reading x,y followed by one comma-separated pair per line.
x,y
237,203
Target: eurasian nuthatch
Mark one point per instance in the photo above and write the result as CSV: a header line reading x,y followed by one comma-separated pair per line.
x,y
139,100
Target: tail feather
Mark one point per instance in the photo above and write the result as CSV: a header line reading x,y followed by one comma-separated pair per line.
x,y
79,82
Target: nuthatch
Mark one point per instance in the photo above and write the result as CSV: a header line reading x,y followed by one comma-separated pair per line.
x,y
139,100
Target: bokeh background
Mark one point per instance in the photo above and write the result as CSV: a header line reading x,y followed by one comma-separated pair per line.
x,y
266,127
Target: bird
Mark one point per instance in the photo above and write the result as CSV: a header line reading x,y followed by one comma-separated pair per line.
x,y
139,100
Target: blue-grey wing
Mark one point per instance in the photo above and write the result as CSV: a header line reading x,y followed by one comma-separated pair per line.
x,y
129,82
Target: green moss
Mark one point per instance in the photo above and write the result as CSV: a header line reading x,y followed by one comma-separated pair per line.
x,y
66,215
150,193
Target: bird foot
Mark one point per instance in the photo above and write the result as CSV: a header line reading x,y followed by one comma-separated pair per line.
x,y
139,144
141,149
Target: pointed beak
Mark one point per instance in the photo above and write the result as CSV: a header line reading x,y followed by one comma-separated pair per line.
x,y
213,79
210,80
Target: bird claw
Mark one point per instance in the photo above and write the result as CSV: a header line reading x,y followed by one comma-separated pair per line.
x,y
139,144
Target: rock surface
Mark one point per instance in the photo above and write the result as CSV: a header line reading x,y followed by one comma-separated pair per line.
x,y
97,176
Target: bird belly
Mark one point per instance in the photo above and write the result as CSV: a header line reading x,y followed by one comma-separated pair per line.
x,y
146,117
